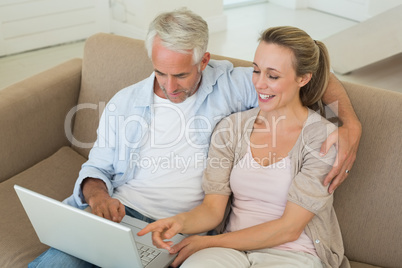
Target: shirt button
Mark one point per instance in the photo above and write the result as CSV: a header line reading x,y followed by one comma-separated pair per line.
x,y
317,241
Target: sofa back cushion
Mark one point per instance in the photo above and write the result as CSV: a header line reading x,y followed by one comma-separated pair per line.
x,y
369,203
110,63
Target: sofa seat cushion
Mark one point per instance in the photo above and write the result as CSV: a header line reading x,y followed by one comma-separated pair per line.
x,y
354,264
53,177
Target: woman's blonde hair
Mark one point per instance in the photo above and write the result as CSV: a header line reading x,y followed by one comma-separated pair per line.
x,y
310,56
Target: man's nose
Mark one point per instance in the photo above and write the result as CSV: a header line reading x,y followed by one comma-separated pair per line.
x,y
171,83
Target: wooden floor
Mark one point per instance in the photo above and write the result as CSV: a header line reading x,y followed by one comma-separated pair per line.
x,y
238,41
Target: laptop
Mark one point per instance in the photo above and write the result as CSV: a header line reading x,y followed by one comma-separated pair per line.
x,y
92,238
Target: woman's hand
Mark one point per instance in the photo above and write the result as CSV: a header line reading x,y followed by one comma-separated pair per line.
x,y
162,230
346,140
187,247
202,218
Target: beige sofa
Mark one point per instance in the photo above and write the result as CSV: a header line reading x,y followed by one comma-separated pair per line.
x,y
42,149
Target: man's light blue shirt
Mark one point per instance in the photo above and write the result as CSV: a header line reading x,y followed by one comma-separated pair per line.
x,y
126,120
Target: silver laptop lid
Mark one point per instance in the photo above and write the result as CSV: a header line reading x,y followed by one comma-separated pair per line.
x,y
84,235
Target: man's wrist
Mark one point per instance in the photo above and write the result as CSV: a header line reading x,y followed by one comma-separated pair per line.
x,y
93,188
352,124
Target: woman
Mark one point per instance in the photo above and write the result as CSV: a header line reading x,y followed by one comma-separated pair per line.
x,y
267,160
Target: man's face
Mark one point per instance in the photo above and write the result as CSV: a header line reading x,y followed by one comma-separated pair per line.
x,y
177,76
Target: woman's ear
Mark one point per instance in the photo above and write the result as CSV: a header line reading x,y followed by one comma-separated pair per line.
x,y
304,79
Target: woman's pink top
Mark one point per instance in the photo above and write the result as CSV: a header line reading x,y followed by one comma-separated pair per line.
x,y
260,195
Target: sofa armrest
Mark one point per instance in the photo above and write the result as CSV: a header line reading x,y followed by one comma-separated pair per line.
x,y
32,115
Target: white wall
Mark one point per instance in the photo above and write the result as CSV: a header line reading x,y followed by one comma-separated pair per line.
x,y
358,10
378,6
32,24
132,18
28,24
294,4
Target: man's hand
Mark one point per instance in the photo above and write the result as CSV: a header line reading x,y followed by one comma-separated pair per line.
x,y
346,140
163,229
101,203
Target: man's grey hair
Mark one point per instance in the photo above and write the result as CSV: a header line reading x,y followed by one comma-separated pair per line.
x,y
181,31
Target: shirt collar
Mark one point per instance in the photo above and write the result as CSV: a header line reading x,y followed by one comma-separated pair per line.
x,y
209,78
145,98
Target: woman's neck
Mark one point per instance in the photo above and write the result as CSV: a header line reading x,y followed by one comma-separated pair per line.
x,y
284,118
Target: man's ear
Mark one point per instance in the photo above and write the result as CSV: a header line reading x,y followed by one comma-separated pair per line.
x,y
304,79
204,61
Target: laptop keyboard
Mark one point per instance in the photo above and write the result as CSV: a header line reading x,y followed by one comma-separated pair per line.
x,y
147,254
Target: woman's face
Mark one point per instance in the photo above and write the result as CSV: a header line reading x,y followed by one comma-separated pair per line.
x,y
275,78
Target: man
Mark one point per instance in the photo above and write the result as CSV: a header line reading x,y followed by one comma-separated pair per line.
x,y
154,136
